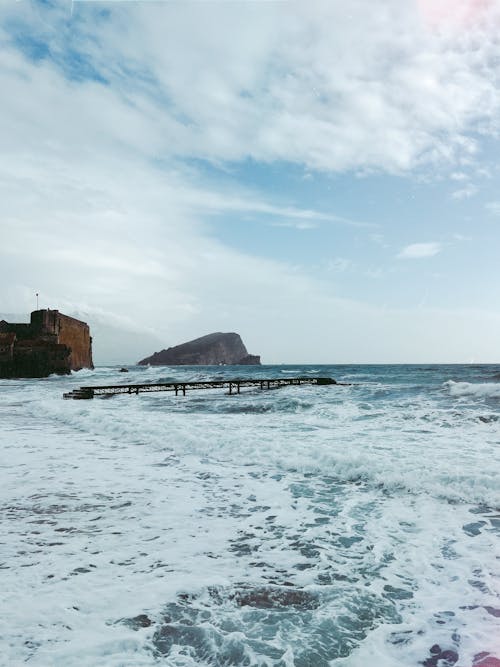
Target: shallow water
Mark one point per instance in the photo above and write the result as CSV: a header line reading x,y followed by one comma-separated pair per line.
x,y
307,526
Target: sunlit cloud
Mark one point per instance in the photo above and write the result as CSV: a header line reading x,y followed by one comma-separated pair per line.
x,y
459,13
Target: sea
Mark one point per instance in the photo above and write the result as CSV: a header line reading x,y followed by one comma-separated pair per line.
x,y
352,525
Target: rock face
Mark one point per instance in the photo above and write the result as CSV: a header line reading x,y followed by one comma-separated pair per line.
x,y
213,350
50,343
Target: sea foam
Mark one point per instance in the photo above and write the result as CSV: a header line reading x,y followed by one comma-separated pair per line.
x,y
480,390
319,526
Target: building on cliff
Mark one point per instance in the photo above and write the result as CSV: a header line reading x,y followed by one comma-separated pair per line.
x,y
50,343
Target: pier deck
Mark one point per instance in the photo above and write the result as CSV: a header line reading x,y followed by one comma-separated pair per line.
x,y
234,386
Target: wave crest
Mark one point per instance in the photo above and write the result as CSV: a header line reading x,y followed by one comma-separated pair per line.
x,y
480,390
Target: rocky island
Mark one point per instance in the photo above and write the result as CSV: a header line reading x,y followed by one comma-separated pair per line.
x,y
50,343
215,349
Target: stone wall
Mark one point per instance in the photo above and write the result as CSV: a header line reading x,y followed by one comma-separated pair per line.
x,y
76,335
40,359
7,341
45,323
22,331
50,343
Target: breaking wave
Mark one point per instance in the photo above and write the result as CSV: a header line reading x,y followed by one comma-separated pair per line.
x,y
479,390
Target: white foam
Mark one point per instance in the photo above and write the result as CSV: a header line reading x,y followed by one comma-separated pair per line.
x,y
479,390
113,507
416,446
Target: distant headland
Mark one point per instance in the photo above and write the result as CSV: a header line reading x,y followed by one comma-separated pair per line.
x,y
50,343
215,349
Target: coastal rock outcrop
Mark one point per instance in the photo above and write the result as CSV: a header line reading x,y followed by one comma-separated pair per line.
x,y
50,343
215,349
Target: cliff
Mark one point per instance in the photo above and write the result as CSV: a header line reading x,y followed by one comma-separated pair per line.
x,y
212,350
50,343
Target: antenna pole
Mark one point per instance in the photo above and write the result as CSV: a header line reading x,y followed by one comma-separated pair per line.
x,y
37,300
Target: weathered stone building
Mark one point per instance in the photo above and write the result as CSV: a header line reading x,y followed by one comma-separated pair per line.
x,y
50,343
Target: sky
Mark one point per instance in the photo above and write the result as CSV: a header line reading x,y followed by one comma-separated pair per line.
x,y
320,177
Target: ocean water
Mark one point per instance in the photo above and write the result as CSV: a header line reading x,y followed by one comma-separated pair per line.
x,y
352,526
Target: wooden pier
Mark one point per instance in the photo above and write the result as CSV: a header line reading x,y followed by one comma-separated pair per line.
x,y
234,386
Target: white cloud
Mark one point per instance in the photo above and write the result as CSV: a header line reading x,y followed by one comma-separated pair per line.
x,y
493,207
420,250
222,201
339,265
458,176
450,15
295,224
466,192
102,210
281,81
94,226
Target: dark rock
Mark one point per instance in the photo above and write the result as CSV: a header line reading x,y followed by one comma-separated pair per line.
x,y
137,622
473,529
275,598
123,370
394,593
329,381
440,657
493,611
212,350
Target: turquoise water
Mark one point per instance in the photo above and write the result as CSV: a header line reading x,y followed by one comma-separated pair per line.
x,y
306,526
